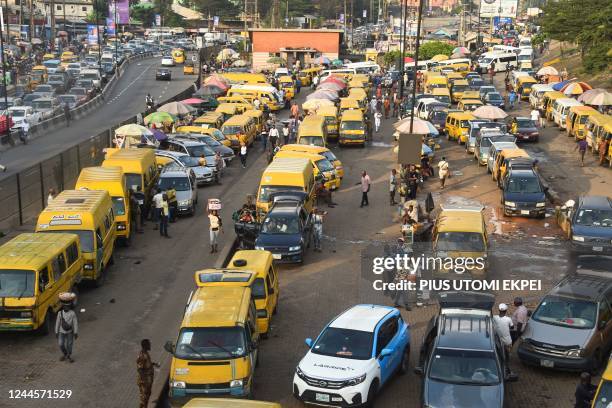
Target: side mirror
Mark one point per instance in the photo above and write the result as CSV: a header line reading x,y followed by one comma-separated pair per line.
x,y
385,352
308,342
169,347
418,370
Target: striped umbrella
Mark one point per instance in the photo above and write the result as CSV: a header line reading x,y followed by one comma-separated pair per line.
x,y
576,88
596,97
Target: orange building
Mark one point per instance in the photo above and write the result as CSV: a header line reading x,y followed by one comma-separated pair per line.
x,y
293,44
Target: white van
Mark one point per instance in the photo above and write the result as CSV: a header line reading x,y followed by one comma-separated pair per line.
x,y
92,74
279,72
426,105
364,67
326,73
526,55
525,41
561,108
536,94
505,49
501,61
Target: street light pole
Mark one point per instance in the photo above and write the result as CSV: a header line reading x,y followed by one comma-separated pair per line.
x,y
416,59
95,3
6,117
116,33
404,17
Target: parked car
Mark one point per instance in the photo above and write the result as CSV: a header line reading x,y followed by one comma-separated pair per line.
x,y
571,329
183,181
524,129
522,192
163,74
286,231
587,222
461,359
191,147
226,153
495,99
204,175
21,114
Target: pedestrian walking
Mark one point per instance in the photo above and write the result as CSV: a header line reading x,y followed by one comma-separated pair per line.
x,y
392,186
537,118
412,181
585,391
373,105
582,146
67,114
317,222
273,136
158,200
256,103
379,92
243,154
286,134
219,165
443,171
519,319
295,110
51,196
146,372
512,99
503,326
377,120
25,129
164,217
387,106
66,326
216,226
603,150
365,188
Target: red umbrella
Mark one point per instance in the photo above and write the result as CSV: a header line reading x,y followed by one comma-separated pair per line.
x,y
218,83
335,80
193,101
408,59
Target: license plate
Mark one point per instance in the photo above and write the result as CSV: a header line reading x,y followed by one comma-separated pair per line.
x,y
276,256
525,137
547,363
321,397
524,212
598,249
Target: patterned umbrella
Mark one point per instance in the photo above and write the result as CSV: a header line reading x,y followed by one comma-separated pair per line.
x,y
335,80
215,81
419,127
461,50
323,94
489,112
576,88
209,90
314,104
133,130
159,117
176,108
330,85
549,70
193,101
596,97
559,85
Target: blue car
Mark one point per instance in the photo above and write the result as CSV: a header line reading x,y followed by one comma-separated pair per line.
x,y
588,223
523,193
355,355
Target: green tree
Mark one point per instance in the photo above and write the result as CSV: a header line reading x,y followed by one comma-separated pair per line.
x,y
431,48
391,57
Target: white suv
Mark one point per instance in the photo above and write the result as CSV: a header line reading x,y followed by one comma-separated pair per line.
x,y
353,357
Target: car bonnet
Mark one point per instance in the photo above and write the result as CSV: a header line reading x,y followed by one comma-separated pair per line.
x,y
332,368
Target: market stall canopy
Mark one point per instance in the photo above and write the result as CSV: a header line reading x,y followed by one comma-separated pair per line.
x,y
337,62
276,60
559,85
193,101
489,112
323,94
322,60
549,70
461,50
439,57
239,63
335,80
330,85
420,126
133,130
596,97
176,108
314,104
227,53
209,90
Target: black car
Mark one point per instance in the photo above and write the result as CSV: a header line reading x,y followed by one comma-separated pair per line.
x,y
163,74
461,359
587,221
524,129
522,191
495,99
286,231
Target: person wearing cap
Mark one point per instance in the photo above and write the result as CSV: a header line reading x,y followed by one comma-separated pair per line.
x,y
503,326
66,329
519,319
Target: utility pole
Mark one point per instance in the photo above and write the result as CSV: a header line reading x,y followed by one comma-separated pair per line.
x,y
31,5
95,4
8,128
403,18
344,24
352,18
64,7
116,32
416,60
53,24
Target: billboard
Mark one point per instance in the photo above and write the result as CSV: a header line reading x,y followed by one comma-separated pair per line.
x,y
122,11
498,8
110,26
92,34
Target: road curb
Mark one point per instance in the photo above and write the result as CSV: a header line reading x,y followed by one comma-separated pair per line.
x,y
551,193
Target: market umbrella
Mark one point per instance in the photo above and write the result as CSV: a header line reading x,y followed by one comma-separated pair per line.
x,y
314,104
330,85
439,57
408,59
335,80
209,90
597,96
159,135
457,55
461,50
193,101
323,94
559,85
159,117
213,81
323,60
576,88
276,60
225,54
337,62
419,127
176,108
133,130
240,63
549,70
217,79
489,112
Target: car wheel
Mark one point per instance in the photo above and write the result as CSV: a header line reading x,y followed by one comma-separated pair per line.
x,y
372,391
405,363
48,325
100,279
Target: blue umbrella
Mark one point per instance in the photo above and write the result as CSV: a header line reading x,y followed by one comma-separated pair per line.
x,y
432,129
323,60
559,85
426,150
159,135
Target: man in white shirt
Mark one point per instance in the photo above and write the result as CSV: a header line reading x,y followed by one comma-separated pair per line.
x,y
256,104
503,326
158,202
243,155
537,118
273,135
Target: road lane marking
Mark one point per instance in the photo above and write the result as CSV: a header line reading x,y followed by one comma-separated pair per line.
x,y
130,84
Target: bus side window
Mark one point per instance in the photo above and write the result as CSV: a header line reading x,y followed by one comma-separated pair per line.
x,y
270,288
72,253
43,279
99,242
59,266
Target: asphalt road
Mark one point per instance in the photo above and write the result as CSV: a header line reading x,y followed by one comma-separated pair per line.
x,y
147,288
125,100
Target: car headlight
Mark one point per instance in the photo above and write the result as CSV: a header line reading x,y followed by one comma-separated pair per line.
x,y
356,380
574,353
509,203
236,383
88,266
295,248
184,203
259,248
300,373
121,226
178,384
577,238
540,204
